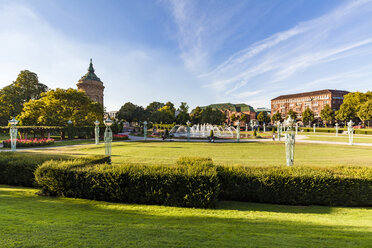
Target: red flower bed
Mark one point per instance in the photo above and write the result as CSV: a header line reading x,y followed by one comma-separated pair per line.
x,y
120,137
29,142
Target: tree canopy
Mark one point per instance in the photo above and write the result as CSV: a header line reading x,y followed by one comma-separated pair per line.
x,y
307,116
13,97
56,107
276,117
263,117
131,112
327,114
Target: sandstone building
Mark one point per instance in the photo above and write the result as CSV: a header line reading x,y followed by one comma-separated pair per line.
x,y
315,100
92,85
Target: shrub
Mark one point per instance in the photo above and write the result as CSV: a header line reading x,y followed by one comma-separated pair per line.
x,y
191,161
343,186
254,133
186,186
29,142
18,168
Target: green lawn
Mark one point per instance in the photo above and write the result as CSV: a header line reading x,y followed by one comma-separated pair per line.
x,y
356,139
250,154
28,220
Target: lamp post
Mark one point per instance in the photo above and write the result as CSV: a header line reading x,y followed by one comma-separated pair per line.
x,y
264,127
13,133
336,129
238,132
108,136
144,130
96,132
350,131
188,130
289,141
314,127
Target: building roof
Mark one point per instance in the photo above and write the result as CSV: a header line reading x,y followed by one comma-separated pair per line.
x,y
257,110
90,75
312,93
231,107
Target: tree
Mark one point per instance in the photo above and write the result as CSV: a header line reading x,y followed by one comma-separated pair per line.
x,y
307,116
212,116
327,114
276,117
183,113
196,115
131,112
243,117
56,107
154,106
233,118
365,111
165,115
292,114
263,117
12,97
345,113
351,104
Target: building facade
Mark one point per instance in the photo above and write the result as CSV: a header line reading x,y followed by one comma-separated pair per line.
x,y
237,109
315,100
92,85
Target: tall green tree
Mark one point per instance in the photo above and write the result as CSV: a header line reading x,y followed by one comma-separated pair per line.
x,y
56,107
307,116
196,115
327,114
212,116
243,118
263,117
233,117
12,97
365,111
276,117
351,104
131,112
292,114
183,113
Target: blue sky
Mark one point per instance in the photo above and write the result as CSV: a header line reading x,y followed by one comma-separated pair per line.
x,y
201,52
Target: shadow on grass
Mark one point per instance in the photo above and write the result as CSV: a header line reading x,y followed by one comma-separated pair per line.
x,y
28,220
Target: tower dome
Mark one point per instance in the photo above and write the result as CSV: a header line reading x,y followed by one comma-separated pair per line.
x,y
92,85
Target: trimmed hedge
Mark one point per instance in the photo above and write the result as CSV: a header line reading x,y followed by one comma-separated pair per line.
x,y
18,168
341,186
196,182
193,185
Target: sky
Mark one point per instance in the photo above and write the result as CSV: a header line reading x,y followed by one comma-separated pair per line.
x,y
199,52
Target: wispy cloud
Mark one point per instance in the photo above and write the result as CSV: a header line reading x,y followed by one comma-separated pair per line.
x,y
332,44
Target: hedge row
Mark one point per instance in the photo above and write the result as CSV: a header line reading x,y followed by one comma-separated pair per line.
x,y
18,168
341,186
196,182
186,185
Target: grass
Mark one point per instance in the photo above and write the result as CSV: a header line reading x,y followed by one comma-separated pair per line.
x,y
247,154
356,139
28,220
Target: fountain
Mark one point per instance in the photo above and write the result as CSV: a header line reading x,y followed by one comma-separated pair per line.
x,y
203,131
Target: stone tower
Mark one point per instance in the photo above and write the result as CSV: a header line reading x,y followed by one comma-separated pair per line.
x,y
92,85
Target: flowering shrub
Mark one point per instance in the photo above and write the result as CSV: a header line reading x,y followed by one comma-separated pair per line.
x,y
29,142
120,137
